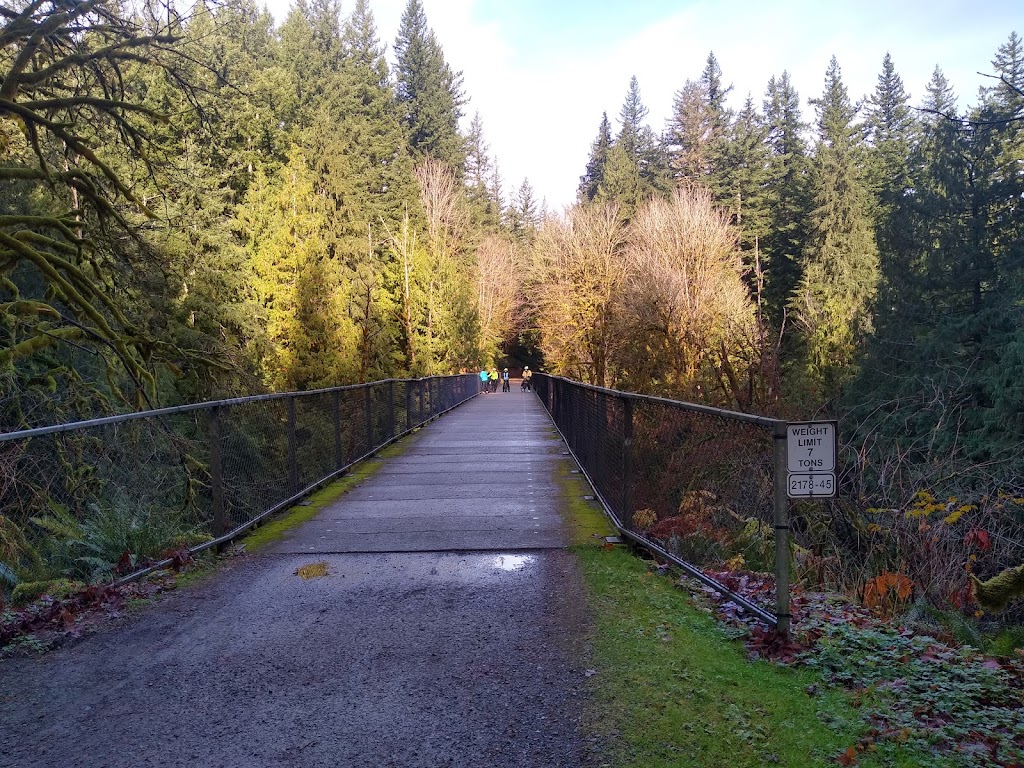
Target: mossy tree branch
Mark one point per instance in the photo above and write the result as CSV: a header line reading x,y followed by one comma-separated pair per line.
x,y
68,74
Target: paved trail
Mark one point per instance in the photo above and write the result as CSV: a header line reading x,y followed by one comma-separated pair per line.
x,y
448,632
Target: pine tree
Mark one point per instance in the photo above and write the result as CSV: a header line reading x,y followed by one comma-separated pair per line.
x,y
1008,64
998,238
486,209
359,146
712,79
890,134
594,176
787,196
697,128
621,183
310,51
634,167
429,92
834,302
631,118
907,372
743,182
297,287
524,215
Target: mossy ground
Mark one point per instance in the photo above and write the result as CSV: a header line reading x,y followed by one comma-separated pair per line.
x,y
672,689
280,524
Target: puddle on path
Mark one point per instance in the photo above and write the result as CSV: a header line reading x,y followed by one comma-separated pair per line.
x,y
513,562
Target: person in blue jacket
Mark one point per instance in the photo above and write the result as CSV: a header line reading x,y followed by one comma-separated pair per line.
x,y
483,380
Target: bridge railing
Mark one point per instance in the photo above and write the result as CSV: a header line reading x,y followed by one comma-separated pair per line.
x,y
111,493
701,486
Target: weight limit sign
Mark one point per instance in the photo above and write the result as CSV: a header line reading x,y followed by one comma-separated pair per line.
x,y
811,459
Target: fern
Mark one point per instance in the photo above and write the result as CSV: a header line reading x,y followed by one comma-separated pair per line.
x,y
60,522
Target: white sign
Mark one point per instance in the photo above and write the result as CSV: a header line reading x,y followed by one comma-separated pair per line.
x,y
803,486
811,447
811,459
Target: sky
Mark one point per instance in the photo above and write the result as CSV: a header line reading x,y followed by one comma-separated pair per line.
x,y
541,72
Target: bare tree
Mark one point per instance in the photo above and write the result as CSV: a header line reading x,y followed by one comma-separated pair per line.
x,y
499,298
692,325
444,202
578,272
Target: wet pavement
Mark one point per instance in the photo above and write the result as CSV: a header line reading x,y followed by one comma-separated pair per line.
x,y
449,630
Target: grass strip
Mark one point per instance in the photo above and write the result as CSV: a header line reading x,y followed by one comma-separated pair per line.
x,y
672,689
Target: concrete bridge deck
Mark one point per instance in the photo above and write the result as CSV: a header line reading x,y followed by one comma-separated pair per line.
x,y
449,631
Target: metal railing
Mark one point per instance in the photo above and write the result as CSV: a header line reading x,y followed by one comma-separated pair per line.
x,y
699,486
197,475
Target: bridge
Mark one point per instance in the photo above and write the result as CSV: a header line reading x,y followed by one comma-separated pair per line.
x,y
442,623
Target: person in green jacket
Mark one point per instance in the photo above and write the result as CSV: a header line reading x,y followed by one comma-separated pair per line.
x,y
493,376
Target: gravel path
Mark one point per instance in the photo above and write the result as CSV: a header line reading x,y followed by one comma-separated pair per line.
x,y
463,655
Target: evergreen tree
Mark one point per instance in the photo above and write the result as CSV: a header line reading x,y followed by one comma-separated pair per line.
x,y
621,183
524,215
913,359
358,142
834,301
890,134
787,194
310,51
494,185
486,209
631,118
634,168
429,92
711,78
744,179
310,341
997,272
697,128
1008,66
594,176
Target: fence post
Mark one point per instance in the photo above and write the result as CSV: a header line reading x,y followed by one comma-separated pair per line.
x,y
782,553
391,409
293,462
419,391
579,445
408,404
216,474
627,463
338,456
368,405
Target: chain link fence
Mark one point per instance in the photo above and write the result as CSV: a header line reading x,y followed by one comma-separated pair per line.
x,y
696,484
107,497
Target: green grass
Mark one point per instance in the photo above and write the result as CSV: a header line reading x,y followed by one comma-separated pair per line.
x,y
673,690
586,520
279,525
